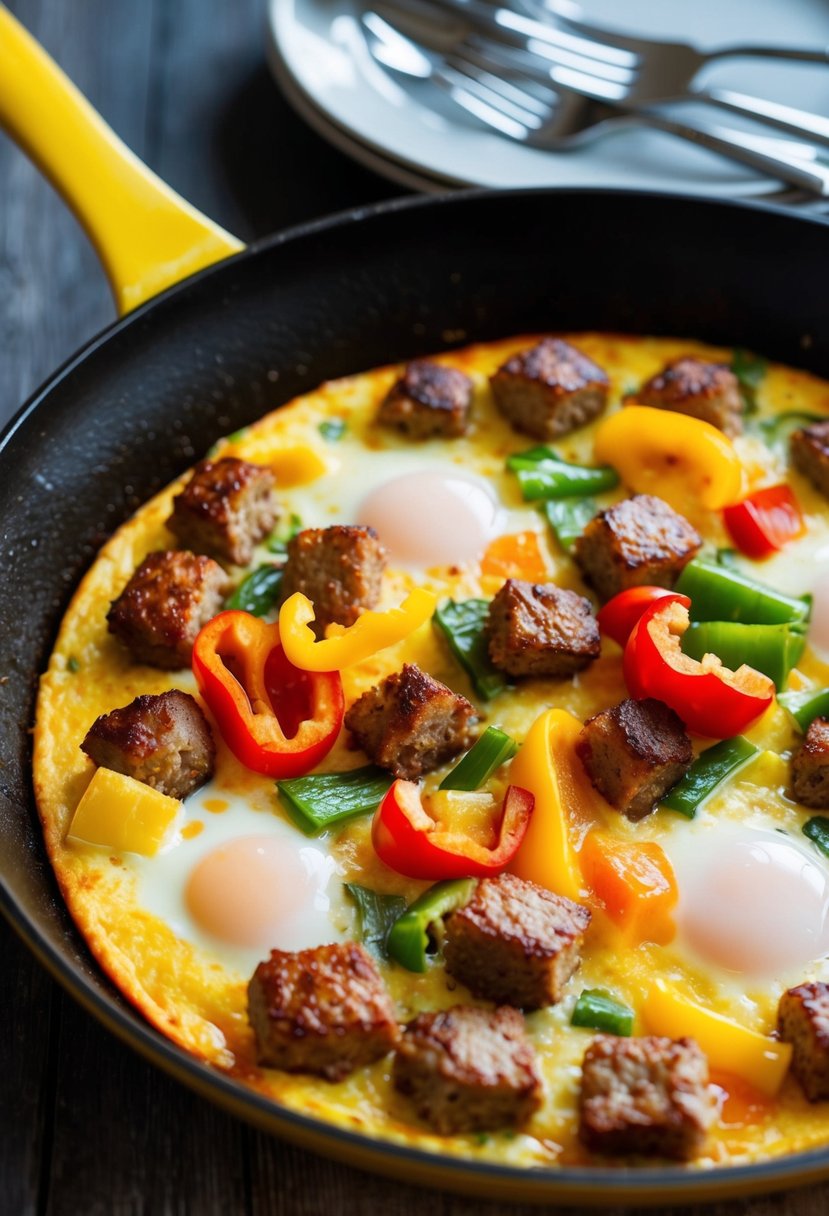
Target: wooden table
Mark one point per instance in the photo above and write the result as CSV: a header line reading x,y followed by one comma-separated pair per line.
x,y
85,1126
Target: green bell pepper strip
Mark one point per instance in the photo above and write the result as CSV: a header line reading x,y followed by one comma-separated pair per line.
x,y
259,592
333,429
568,517
285,531
376,914
409,939
720,594
598,1010
492,750
777,431
462,624
542,473
750,371
817,829
708,772
804,706
772,649
322,800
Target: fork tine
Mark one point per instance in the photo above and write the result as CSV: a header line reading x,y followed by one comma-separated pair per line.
x,y
511,28
597,87
623,75
485,68
573,18
487,106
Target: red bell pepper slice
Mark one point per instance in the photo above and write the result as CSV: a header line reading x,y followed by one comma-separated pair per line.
x,y
275,718
764,522
411,842
709,698
619,615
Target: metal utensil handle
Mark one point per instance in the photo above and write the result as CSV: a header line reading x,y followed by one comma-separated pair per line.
x,y
784,118
794,54
805,174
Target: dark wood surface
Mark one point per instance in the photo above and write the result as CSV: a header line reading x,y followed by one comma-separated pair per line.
x,y
86,1127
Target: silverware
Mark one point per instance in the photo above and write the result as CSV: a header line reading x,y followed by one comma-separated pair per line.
x,y
665,70
510,91
629,71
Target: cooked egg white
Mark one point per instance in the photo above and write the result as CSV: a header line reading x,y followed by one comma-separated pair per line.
x,y
238,881
428,512
753,901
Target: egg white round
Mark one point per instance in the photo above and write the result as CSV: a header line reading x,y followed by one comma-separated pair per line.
x,y
242,926
449,518
753,901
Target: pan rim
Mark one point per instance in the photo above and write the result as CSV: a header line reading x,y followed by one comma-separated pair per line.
x,y
590,1184
359,214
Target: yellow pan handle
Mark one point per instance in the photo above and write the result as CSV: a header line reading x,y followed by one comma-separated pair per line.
x,y
146,235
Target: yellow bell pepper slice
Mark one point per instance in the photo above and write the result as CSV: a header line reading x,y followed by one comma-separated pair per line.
x,y
729,1046
371,632
566,805
672,455
119,813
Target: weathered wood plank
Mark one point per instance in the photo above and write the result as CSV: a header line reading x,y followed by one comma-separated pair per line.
x,y
53,294
224,136
27,1032
128,1141
287,1182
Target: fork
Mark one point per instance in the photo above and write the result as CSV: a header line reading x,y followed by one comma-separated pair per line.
x,y
471,71
630,71
665,70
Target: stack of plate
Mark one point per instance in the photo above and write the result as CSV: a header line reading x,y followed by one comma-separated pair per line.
x,y
406,131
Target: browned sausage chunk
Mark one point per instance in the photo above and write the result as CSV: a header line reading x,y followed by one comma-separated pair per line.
x,y
410,723
324,1011
810,454
634,753
225,509
468,1070
639,541
162,740
644,1097
428,400
810,766
541,630
515,942
339,568
803,1021
709,391
164,605
550,389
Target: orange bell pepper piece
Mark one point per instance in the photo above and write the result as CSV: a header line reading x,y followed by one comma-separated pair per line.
x,y
635,883
517,555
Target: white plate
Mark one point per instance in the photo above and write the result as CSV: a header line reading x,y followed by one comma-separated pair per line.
x,y
319,55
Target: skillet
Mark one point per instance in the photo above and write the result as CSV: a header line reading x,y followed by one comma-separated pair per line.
x,y
150,394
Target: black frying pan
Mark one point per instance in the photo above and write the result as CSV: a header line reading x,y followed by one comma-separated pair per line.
x,y
149,395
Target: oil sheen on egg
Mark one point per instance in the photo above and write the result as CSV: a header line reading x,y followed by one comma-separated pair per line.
x,y
433,517
248,882
752,901
428,512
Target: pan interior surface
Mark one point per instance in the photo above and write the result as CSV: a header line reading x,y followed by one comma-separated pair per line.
x,y
151,396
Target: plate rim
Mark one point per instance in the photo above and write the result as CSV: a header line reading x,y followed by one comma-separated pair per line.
x,y
403,170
